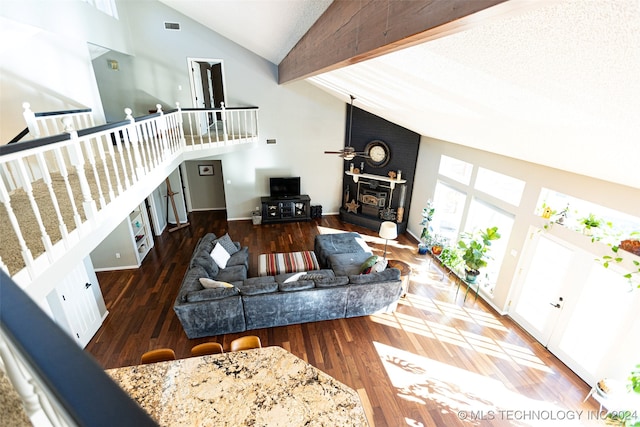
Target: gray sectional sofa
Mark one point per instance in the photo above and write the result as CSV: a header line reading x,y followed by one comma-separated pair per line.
x,y
336,291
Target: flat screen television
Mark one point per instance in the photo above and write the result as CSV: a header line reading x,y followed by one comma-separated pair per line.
x,y
284,187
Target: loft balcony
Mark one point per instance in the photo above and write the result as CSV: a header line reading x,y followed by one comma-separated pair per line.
x,y
66,190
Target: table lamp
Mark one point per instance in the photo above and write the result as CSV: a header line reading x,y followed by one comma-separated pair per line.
x,y
388,230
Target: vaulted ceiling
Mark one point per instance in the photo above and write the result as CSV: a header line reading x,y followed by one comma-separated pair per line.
x,y
550,82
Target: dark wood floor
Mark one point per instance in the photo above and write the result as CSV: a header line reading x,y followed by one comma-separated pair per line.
x,y
436,361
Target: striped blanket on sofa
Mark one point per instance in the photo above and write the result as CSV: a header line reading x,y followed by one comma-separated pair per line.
x,y
288,262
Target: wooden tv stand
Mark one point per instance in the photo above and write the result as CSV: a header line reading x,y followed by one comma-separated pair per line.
x,y
285,209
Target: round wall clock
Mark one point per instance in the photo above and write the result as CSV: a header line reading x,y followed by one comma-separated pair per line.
x,y
378,152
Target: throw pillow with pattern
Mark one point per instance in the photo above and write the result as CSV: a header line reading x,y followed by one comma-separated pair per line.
x,y
227,244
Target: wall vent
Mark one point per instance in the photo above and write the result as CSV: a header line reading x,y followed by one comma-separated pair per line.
x,y
175,26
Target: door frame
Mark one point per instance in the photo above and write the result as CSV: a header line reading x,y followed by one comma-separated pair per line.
x,y
571,290
196,83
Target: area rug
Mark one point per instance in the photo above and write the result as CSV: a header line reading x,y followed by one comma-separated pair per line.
x,y
288,262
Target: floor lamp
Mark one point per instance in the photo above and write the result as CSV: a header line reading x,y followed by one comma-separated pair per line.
x,y
388,231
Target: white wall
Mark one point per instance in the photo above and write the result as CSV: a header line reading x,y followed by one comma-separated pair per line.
x,y
50,71
116,87
45,59
618,197
206,192
303,119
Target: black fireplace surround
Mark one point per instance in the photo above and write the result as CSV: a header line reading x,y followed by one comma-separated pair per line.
x,y
373,200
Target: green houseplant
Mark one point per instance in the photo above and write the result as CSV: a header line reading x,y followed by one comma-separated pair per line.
x,y
474,251
630,417
634,380
425,237
589,222
450,256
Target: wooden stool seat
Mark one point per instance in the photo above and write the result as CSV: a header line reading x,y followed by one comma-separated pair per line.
x,y
207,348
245,343
158,355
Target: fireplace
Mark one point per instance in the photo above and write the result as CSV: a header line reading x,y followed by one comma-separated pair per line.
x,y
373,201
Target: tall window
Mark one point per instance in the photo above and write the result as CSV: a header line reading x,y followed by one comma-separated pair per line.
x,y
449,204
106,6
455,169
499,185
481,216
456,183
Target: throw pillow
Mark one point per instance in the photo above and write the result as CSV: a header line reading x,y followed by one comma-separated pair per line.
x,y
220,255
227,244
380,265
205,261
295,277
366,266
212,284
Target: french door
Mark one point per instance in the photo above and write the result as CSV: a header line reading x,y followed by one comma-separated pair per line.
x,y
545,287
582,312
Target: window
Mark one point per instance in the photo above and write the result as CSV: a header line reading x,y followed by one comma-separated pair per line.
x,y
106,6
449,205
482,216
455,169
615,225
499,185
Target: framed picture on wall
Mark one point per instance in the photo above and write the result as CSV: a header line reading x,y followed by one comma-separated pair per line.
x,y
204,170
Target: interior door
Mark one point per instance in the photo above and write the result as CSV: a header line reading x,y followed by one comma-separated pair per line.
x,y
199,99
207,88
542,292
74,306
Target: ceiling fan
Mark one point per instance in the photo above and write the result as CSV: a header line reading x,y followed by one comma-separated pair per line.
x,y
348,152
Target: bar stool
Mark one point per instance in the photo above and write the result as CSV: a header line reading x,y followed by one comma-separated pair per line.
x,y
207,348
245,343
157,355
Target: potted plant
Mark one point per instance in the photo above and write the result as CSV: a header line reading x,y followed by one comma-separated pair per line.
x,y
436,246
425,237
590,222
450,257
634,380
628,418
474,251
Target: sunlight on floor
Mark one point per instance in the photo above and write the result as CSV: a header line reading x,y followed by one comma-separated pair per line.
x,y
469,396
457,336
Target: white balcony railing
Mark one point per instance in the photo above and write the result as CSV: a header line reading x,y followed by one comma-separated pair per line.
x,y
54,189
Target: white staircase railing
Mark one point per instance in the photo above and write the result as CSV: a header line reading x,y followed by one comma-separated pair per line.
x,y
49,381
53,188
46,124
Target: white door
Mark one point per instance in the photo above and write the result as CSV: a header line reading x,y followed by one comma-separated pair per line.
x,y
74,306
582,312
198,95
542,292
599,339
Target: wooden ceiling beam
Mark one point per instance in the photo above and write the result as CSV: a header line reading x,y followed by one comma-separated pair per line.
x,y
352,31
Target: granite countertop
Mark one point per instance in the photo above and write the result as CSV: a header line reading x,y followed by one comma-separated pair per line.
x,y
261,387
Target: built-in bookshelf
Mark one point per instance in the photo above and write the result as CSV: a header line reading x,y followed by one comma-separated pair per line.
x,y
127,245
